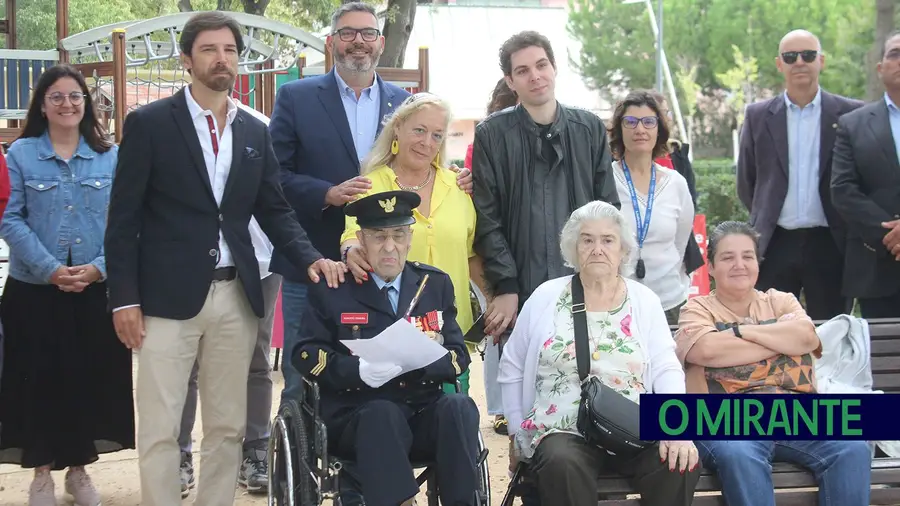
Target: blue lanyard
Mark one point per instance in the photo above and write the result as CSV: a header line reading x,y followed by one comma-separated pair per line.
x,y
642,226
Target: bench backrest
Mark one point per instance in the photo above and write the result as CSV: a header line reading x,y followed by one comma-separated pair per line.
x,y
885,337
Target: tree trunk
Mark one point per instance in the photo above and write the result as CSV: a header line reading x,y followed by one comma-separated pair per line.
x,y
257,7
398,25
223,5
185,6
884,25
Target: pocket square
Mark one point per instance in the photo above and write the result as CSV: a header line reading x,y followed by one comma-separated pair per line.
x,y
251,153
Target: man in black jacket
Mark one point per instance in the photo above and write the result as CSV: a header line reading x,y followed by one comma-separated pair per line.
x,y
865,189
534,164
184,281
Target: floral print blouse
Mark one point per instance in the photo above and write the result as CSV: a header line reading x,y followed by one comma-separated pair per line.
x,y
616,358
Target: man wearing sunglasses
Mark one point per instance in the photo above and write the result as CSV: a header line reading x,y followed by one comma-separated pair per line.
x,y
783,178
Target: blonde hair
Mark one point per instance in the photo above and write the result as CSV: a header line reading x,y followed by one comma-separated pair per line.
x,y
380,154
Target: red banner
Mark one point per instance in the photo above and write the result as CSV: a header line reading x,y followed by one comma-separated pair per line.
x,y
700,277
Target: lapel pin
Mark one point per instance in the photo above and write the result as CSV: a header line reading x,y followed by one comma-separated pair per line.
x,y
390,104
834,125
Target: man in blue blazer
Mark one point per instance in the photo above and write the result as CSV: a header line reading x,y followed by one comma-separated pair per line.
x,y
321,128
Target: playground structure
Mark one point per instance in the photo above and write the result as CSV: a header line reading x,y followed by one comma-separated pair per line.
x,y
131,63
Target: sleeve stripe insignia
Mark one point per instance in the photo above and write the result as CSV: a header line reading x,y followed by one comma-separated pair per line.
x,y
323,358
455,363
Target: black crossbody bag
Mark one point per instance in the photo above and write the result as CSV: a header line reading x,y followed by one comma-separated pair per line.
x,y
606,418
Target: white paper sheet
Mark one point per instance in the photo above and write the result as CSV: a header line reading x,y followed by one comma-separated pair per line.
x,y
400,344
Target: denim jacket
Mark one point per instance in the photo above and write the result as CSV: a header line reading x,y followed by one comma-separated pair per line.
x,y
56,207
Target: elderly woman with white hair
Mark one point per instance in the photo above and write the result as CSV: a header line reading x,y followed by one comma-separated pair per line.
x,y
632,352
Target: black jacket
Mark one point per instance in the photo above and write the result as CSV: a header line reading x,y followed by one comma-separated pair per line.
x,y
162,236
865,189
693,257
504,156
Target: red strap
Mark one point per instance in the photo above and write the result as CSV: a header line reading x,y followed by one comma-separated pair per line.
x,y
213,136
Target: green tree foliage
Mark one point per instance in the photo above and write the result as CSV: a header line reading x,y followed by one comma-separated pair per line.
x,y
36,19
618,46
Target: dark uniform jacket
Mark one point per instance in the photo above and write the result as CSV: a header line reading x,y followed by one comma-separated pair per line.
x,y
354,311
508,153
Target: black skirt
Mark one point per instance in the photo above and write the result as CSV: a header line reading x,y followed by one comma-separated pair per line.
x,y
66,391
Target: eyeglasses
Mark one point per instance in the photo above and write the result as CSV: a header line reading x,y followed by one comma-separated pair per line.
x,y
790,57
400,237
57,98
349,34
649,122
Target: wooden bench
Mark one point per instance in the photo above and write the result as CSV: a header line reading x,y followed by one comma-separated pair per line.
x,y
789,480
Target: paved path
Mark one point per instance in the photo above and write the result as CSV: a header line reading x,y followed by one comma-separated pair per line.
x,y
116,475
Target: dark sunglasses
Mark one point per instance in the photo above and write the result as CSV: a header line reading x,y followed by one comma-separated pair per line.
x,y
649,122
349,34
790,57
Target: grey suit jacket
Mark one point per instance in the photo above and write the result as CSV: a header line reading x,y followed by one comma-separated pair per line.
x,y
865,188
762,170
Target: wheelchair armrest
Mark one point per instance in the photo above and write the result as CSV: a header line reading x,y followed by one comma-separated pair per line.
x,y
310,396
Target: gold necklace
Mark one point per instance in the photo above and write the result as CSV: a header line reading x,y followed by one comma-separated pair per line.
x,y
417,187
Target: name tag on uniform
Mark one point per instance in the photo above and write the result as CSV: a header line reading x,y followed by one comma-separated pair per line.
x,y
354,318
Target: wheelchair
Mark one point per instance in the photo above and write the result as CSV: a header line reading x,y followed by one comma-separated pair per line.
x,y
302,473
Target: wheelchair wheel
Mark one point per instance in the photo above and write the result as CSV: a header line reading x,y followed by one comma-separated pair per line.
x,y
299,428
281,470
484,476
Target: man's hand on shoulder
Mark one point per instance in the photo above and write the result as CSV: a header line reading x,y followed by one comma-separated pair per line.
x,y
333,272
129,324
463,179
347,191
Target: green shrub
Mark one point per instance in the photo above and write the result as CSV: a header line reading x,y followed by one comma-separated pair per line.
x,y
717,192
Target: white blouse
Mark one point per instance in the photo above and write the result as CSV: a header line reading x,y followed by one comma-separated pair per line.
x,y
671,226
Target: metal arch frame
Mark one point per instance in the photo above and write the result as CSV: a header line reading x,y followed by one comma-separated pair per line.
x,y
138,29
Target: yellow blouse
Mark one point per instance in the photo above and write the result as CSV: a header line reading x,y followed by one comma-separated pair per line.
x,y
444,239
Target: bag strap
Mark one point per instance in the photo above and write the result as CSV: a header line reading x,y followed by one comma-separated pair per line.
x,y
579,318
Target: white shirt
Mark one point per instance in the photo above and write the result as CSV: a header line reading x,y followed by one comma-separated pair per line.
x,y
671,226
662,372
217,166
261,244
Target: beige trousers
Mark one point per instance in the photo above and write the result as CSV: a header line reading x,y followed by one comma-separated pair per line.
x,y
221,338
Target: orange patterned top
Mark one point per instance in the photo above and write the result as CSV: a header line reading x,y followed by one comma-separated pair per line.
x,y
780,374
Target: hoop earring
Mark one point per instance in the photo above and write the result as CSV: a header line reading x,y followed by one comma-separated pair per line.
x,y
395,147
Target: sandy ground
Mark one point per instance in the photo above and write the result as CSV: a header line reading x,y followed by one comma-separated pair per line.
x,y
116,475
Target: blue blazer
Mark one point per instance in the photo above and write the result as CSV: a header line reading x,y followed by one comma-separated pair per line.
x,y
312,141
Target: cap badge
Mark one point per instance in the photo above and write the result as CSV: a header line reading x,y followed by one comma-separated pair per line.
x,y
388,205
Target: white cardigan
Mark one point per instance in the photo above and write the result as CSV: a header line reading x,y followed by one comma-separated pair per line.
x,y
518,365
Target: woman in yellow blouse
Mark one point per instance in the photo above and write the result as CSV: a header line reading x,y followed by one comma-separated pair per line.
x,y
407,156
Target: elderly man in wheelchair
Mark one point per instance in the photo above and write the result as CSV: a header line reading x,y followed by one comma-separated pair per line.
x,y
380,422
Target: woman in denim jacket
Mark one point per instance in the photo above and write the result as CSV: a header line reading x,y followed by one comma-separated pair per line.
x,y
66,390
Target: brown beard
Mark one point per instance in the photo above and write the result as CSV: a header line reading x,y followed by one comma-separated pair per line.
x,y
217,82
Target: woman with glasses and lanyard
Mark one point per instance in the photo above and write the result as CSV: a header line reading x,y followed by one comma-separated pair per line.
x,y
66,395
655,199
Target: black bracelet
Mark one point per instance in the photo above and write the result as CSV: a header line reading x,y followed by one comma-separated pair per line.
x,y
344,254
737,330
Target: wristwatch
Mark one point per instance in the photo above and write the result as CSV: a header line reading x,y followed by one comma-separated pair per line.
x,y
737,330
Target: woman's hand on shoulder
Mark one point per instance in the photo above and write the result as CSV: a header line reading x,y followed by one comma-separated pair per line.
x,y
681,454
357,263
